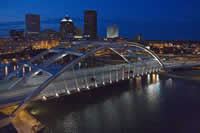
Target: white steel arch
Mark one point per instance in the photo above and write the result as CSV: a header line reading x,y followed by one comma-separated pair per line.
x,y
100,45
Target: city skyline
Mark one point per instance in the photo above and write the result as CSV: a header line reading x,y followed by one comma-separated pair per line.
x,y
156,20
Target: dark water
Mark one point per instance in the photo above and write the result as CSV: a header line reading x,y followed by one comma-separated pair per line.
x,y
146,105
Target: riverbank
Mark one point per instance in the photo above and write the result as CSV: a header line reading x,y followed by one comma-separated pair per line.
x,y
185,75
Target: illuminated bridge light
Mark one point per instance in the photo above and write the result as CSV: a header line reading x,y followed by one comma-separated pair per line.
x,y
44,98
68,92
96,85
88,87
57,95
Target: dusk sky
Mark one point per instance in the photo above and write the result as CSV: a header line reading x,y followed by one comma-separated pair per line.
x,y
155,19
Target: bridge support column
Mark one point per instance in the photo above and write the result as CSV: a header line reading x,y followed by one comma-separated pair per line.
x,y
123,73
110,75
117,76
128,71
68,92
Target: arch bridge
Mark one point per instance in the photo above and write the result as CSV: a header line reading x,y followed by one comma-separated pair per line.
x,y
76,66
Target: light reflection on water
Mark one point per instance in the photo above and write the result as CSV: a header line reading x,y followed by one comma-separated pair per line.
x,y
30,69
153,95
137,108
157,78
154,78
14,68
70,123
138,82
169,83
7,69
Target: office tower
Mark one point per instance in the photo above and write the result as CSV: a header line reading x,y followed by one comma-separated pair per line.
x,y
32,24
112,32
90,24
138,37
66,27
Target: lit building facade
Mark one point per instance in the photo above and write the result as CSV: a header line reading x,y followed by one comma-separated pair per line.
x,y
90,24
112,32
12,46
48,44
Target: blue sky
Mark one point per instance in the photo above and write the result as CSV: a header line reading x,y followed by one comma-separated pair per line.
x,y
155,19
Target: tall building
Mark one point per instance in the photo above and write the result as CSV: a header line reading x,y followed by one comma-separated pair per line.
x,y
66,27
138,37
112,32
90,24
17,35
32,24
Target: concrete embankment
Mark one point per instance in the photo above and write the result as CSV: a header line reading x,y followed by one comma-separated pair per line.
x,y
4,117
23,122
26,123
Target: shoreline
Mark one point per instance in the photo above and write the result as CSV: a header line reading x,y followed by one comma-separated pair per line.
x,y
165,75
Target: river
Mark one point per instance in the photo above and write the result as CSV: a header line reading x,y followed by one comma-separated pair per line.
x,y
145,104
